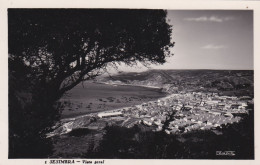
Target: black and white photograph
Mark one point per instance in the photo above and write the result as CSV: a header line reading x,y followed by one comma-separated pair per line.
x,y
130,83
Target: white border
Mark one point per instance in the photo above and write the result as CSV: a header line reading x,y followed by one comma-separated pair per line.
x,y
152,4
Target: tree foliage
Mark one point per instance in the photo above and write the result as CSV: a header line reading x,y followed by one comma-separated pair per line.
x,y
65,47
53,50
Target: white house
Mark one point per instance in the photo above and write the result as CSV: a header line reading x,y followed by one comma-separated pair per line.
x,y
109,114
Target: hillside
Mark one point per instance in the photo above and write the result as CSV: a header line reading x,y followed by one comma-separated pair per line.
x,y
228,82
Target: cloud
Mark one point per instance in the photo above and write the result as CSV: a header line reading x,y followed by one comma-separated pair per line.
x,y
209,19
213,46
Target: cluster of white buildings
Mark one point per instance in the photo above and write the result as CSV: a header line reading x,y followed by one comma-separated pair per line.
x,y
193,111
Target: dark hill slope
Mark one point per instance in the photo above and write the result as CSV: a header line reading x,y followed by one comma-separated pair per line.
x,y
230,82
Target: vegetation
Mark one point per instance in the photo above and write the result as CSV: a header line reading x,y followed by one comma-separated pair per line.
x,y
139,142
51,51
200,144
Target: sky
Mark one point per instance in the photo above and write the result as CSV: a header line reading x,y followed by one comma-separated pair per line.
x,y
209,39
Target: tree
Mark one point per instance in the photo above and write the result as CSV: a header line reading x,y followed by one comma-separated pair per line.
x,y
65,47
51,51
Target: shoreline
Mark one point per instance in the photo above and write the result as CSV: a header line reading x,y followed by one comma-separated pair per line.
x,y
123,84
67,119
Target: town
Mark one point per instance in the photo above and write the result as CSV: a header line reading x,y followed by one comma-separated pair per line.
x,y
192,111
174,114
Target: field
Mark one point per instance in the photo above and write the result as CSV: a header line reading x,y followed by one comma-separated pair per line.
x,y
96,97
